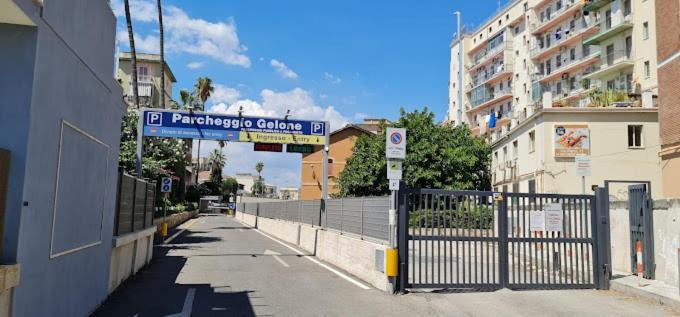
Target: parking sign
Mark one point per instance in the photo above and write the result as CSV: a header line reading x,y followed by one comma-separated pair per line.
x,y
166,185
396,143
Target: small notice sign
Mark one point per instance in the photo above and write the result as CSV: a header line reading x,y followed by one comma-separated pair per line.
x,y
554,218
394,169
394,184
537,220
583,165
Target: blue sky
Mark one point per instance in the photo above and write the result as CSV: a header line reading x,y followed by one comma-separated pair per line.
x,y
336,60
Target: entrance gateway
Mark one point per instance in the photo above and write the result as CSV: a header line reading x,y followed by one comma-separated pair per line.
x,y
235,128
475,240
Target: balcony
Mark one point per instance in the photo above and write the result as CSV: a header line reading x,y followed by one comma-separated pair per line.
x,y
613,63
569,38
569,66
550,20
488,54
483,97
608,31
594,5
495,73
144,88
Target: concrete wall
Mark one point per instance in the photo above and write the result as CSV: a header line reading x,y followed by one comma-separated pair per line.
x,y
356,256
666,238
62,96
174,220
9,279
130,253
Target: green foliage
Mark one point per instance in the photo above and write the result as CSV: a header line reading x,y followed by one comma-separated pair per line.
x,y
217,161
193,194
438,156
229,186
162,156
258,188
465,216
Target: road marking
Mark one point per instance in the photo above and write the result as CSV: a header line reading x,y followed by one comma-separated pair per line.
x,y
187,226
240,230
276,257
338,273
188,304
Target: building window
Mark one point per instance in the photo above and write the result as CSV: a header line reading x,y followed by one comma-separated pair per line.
x,y
635,136
572,53
515,149
516,30
495,158
505,154
330,167
647,70
532,186
507,17
645,30
532,141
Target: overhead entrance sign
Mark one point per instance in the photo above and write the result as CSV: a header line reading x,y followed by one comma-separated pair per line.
x,y
300,148
268,147
212,126
396,143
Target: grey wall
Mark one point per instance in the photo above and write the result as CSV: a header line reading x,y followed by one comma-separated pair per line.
x,y
64,240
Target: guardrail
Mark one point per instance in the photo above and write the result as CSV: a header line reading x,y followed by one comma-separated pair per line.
x,y
363,216
134,205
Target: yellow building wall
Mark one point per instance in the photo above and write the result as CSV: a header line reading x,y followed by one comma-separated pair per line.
x,y
340,149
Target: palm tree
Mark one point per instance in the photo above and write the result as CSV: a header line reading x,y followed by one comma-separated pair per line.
x,y
160,26
259,167
218,161
203,89
133,53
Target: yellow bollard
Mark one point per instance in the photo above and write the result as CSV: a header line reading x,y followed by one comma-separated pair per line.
x,y
391,262
164,229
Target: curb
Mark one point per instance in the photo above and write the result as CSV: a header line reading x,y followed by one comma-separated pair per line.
x,y
644,295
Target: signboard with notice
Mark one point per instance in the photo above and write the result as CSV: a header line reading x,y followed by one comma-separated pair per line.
x,y
571,140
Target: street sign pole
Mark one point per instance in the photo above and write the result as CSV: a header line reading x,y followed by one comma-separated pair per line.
x,y
140,140
395,152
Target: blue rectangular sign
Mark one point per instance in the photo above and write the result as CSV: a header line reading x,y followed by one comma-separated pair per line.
x,y
201,125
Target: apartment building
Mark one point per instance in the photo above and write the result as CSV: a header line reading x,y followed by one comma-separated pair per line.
x,y
148,78
548,80
668,50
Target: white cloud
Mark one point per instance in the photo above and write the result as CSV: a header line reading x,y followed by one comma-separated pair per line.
x,y
143,44
332,78
184,34
283,70
224,94
323,96
195,65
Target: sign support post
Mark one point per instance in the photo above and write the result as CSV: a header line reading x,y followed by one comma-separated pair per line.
x,y
140,144
395,152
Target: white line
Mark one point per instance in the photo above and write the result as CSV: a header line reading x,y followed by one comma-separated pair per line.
x,y
240,230
188,304
187,226
338,273
276,257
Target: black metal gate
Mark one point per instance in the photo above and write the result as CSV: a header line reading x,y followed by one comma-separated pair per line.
x,y
484,240
641,228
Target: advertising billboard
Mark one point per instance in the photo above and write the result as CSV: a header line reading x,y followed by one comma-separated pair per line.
x,y
571,140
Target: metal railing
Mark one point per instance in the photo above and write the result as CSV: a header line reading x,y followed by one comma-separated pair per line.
x,y
485,76
487,53
566,5
564,36
135,204
366,217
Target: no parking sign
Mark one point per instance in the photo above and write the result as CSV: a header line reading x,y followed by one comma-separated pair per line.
x,y
166,185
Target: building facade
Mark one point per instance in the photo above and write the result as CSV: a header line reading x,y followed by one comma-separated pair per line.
x,y
668,50
289,193
548,80
340,149
148,78
60,122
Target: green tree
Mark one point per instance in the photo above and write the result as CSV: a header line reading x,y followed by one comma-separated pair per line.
x,y
438,156
258,188
229,186
202,91
259,167
217,161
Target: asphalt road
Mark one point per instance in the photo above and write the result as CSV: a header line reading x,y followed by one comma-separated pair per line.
x,y
219,267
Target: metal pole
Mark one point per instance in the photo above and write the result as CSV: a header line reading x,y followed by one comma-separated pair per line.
x,y
140,140
324,164
583,184
392,214
459,108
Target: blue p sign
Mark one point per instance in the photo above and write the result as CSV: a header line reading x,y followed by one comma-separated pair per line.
x,y
154,118
318,128
166,185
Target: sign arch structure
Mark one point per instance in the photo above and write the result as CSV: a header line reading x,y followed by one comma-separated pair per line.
x,y
182,124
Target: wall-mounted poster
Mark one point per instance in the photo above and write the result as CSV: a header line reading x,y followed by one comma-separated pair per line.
x,y
571,140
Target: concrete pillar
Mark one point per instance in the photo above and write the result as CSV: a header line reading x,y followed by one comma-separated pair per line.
x,y
547,100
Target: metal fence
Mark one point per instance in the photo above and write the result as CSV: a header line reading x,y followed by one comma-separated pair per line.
x,y
135,204
363,216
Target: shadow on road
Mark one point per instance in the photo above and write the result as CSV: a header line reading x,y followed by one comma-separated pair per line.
x,y
153,291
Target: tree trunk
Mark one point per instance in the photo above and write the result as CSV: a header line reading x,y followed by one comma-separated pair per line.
x,y
133,53
160,25
198,161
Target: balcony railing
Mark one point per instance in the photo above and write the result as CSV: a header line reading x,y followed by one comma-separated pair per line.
x,y
547,18
609,30
487,53
144,88
490,74
568,66
488,97
565,36
613,62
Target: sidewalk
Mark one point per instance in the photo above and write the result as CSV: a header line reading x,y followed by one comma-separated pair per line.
x,y
651,290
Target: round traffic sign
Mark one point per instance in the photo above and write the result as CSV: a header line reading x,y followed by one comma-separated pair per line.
x,y
396,137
